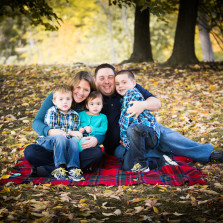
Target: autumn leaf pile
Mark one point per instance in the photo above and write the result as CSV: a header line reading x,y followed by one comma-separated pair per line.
x,y
191,98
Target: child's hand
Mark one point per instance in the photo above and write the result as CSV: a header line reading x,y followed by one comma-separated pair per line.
x,y
76,134
122,143
81,130
88,129
56,132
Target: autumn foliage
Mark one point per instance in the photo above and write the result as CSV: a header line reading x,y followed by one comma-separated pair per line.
x,y
191,98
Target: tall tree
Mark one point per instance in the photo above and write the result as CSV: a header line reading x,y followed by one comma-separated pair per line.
x,y
211,15
183,50
142,50
206,45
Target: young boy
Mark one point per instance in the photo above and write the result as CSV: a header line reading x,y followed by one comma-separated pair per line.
x,y
65,149
92,122
145,125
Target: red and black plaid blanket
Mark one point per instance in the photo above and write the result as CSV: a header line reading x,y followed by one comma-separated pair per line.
x,y
108,172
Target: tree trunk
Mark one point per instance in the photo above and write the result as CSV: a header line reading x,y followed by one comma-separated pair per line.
x,y
183,50
206,45
142,51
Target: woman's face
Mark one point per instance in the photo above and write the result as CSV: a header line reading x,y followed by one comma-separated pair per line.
x,y
81,92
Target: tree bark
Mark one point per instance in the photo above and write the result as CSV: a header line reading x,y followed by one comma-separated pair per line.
x,y
142,51
206,45
183,50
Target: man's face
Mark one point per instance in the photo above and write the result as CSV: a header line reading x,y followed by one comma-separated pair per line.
x,y
105,81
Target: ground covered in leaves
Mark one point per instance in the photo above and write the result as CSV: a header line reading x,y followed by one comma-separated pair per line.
x,y
191,98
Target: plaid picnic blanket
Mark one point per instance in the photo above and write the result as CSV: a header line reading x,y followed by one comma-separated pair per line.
x,y
108,172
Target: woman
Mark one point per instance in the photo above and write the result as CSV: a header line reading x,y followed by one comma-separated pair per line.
x,y
42,160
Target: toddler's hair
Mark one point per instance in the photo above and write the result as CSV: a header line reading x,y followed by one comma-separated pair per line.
x,y
93,95
62,89
128,72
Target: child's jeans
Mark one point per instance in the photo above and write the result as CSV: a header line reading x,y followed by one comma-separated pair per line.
x,y
142,139
65,150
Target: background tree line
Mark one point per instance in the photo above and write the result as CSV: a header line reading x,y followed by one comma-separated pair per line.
x,y
43,31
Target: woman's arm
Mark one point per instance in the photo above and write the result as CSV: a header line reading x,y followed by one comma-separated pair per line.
x,y
38,123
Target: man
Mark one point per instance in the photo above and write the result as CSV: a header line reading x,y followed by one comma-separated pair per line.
x,y
171,143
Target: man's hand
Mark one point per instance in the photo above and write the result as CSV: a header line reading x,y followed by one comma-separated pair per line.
x,y
56,132
151,104
76,134
137,108
91,142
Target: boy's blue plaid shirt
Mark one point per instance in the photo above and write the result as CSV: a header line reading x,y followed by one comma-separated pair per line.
x,y
125,121
58,120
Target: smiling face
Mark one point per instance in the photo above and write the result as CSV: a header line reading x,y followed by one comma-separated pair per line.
x,y
105,81
123,83
63,101
81,92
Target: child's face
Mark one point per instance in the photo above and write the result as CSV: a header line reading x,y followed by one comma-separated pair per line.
x,y
94,106
63,101
123,83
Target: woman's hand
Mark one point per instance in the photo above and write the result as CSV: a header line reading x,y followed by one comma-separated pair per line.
x,y
76,134
90,142
56,132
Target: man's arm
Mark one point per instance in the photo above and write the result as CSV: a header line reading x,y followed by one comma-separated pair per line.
x,y
151,103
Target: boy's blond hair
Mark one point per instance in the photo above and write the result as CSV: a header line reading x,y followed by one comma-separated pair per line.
x,y
61,89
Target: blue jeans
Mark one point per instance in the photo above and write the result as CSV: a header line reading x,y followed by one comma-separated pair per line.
x,y
172,143
39,157
65,151
142,139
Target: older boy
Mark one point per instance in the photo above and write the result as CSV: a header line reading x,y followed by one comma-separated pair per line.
x,y
145,125
65,149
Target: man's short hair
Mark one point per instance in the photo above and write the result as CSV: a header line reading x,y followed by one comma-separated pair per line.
x,y
128,72
62,89
104,65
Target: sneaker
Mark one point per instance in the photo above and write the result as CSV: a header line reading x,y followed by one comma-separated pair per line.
x,y
76,174
138,168
33,172
169,161
216,156
60,174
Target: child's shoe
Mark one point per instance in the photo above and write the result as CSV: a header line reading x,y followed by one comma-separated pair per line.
x,y
60,174
169,161
75,174
138,168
